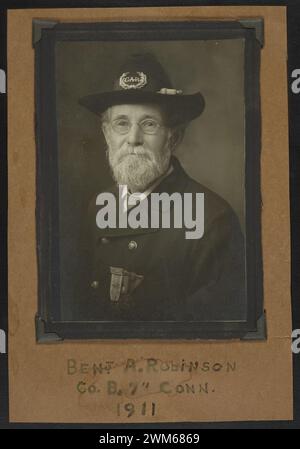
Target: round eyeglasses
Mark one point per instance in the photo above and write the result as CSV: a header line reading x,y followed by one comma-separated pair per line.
x,y
148,126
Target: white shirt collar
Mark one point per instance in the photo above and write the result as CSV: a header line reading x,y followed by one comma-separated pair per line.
x,y
139,196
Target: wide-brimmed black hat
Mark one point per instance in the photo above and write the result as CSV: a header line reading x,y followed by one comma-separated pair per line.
x,y
142,79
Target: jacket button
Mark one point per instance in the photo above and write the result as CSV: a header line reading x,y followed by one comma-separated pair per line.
x,y
95,284
104,240
132,245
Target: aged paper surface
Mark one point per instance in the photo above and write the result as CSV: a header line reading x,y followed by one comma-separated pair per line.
x,y
153,381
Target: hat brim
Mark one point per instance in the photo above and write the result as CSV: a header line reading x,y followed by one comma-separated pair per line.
x,y
186,107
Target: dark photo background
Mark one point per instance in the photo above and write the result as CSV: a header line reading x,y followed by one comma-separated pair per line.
x,y
212,151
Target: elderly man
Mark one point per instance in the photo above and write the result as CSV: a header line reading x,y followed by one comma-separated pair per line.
x,y
155,273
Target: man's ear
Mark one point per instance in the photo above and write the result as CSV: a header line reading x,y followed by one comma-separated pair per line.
x,y
176,137
105,130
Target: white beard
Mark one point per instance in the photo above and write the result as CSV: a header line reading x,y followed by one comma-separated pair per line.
x,y
136,167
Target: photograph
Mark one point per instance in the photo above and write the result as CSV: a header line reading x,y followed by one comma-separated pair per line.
x,y
150,218
148,180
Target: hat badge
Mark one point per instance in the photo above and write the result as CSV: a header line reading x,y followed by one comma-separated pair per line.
x,y
133,80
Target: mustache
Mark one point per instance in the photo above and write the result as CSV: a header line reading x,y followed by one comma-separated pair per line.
x,y
131,151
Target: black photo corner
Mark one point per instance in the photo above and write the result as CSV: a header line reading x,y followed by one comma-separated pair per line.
x,y
57,320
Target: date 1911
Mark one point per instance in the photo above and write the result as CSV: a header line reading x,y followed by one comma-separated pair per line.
x,y
129,409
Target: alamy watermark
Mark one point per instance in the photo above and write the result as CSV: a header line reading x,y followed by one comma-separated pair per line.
x,y
296,342
295,86
180,210
2,82
2,342
2,333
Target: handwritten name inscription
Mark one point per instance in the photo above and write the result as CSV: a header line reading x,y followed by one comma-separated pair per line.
x,y
149,365
131,386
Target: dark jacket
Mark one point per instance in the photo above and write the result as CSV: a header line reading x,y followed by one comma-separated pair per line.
x,y
170,277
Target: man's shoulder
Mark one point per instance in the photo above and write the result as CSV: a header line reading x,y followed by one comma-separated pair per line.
x,y
215,206
214,199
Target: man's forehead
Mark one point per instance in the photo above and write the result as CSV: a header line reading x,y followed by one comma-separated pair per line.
x,y
136,111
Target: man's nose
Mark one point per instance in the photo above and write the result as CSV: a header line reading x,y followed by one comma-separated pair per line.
x,y
135,135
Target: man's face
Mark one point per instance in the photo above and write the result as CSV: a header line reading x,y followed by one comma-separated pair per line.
x,y
137,158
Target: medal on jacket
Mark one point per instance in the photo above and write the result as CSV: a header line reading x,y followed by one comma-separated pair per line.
x,y
123,283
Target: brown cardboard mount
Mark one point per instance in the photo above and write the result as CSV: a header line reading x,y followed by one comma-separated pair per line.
x,y
234,380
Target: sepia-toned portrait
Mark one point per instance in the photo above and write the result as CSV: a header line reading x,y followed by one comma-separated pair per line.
x,y
148,180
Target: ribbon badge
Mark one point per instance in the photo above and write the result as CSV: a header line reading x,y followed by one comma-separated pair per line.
x,y
123,283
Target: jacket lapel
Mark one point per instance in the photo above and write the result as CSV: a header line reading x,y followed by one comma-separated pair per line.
x,y
176,181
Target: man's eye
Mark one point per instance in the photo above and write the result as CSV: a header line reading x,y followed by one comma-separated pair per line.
x,y
121,123
149,124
